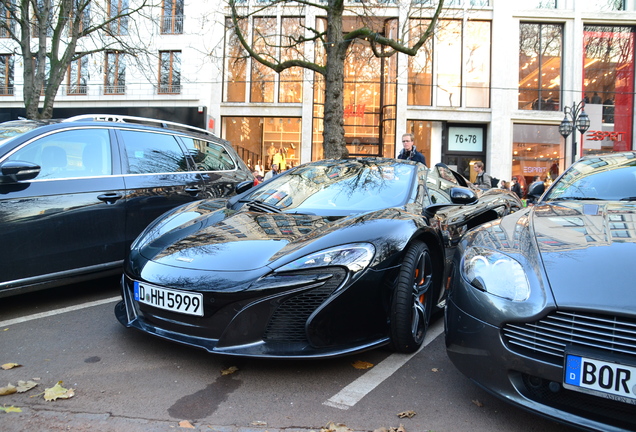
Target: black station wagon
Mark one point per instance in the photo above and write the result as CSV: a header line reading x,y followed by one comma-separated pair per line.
x,y
75,193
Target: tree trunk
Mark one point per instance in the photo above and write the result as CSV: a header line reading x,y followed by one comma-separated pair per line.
x,y
334,145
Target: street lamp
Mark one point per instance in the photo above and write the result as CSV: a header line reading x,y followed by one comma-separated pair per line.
x,y
579,119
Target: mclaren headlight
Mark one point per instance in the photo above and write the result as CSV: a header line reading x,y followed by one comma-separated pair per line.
x,y
495,273
354,256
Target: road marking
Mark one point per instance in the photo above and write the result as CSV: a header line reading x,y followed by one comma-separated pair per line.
x,y
351,394
57,311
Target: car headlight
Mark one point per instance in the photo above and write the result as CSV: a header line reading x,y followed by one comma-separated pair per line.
x,y
495,273
355,256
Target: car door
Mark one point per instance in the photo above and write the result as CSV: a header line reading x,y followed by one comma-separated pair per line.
x,y
159,176
70,218
219,166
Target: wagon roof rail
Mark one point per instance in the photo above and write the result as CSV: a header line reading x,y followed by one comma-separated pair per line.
x,y
116,118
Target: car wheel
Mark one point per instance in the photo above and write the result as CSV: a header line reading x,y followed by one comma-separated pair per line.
x,y
412,302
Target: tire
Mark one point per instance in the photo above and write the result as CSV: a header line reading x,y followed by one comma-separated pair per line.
x,y
412,301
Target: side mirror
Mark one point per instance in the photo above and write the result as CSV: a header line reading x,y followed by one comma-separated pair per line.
x,y
244,186
463,195
17,171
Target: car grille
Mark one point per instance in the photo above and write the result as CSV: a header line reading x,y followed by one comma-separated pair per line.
x,y
287,323
549,393
547,338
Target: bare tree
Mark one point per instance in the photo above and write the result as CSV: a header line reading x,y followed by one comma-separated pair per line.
x,y
332,46
51,35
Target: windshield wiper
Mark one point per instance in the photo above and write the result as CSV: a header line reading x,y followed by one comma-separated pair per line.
x,y
261,206
573,198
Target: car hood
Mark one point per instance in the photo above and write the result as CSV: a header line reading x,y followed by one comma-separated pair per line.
x,y
232,241
587,251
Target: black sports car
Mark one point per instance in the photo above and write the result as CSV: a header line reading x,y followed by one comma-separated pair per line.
x,y
329,258
542,305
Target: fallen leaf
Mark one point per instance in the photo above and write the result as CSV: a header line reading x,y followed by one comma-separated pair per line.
x,y
10,389
362,365
258,423
10,409
24,386
186,424
58,392
476,402
229,370
332,427
8,366
407,414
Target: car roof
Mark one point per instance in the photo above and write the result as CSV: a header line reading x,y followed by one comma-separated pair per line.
x,y
117,120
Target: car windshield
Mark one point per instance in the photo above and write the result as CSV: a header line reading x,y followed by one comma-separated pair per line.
x,y
611,178
12,129
337,188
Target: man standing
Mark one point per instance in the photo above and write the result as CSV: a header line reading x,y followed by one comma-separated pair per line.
x,y
409,152
483,180
516,187
273,172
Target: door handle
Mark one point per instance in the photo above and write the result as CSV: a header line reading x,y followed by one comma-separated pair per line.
x,y
110,198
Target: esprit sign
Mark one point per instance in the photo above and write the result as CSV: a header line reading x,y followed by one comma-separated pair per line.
x,y
603,135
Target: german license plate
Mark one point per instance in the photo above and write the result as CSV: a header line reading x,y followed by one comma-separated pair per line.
x,y
601,378
169,299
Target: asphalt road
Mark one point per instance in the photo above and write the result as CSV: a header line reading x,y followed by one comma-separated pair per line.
x,y
124,380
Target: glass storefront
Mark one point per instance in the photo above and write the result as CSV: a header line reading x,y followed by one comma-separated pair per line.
x,y
537,150
258,139
608,84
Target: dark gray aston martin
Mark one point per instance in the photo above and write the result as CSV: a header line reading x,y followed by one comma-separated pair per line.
x,y
542,305
326,259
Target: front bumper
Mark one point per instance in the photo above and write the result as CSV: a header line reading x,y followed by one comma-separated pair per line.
x,y
477,349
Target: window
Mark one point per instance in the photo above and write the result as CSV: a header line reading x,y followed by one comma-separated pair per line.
x,y
115,73
153,153
291,80
169,72
6,74
37,23
85,15
462,52
540,52
76,77
262,77
235,63
6,21
209,156
608,80
602,5
69,154
172,17
118,9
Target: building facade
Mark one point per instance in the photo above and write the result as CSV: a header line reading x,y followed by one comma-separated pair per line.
x,y
492,84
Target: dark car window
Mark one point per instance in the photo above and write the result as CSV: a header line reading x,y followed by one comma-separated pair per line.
x,y
151,153
209,156
69,154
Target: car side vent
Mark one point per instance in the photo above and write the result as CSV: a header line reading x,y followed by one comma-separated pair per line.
x,y
287,323
547,338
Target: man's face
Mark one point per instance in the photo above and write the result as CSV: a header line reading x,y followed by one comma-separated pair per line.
x,y
407,143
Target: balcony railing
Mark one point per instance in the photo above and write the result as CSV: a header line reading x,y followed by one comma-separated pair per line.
x,y
6,91
172,24
74,90
114,89
169,89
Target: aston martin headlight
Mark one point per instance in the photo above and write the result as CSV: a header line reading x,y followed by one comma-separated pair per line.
x,y
355,256
495,273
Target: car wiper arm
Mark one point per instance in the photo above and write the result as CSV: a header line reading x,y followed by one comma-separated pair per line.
x,y
261,206
574,198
